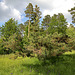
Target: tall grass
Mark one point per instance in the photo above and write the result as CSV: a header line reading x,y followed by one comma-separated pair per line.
x,y
63,65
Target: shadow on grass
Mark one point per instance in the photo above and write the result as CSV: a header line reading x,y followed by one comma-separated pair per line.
x,y
62,65
39,69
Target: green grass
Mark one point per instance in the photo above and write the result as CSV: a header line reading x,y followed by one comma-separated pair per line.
x,y
63,65
73,52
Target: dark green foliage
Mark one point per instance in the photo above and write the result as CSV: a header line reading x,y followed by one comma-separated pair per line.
x,y
13,43
53,45
9,28
58,24
9,35
3,49
46,21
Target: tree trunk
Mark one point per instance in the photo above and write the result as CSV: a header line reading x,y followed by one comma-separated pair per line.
x,y
29,28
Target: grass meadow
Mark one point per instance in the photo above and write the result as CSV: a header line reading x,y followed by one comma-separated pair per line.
x,y
63,65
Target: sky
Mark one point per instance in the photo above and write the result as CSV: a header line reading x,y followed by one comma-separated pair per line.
x,y
15,9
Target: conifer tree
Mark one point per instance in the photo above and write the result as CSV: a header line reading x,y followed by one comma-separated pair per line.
x,y
29,12
72,12
58,24
46,21
9,28
35,26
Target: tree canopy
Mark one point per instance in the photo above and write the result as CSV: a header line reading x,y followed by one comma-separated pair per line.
x,y
41,38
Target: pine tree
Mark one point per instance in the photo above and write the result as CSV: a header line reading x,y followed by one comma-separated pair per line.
x,y
31,42
35,26
72,12
58,24
10,36
29,12
46,21
9,28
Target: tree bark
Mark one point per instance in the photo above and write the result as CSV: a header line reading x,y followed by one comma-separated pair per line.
x,y
29,28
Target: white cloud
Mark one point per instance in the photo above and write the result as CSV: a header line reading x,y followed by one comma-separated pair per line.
x,y
15,8
2,4
16,14
7,12
58,6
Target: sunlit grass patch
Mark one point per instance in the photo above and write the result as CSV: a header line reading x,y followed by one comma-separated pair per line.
x,y
73,52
